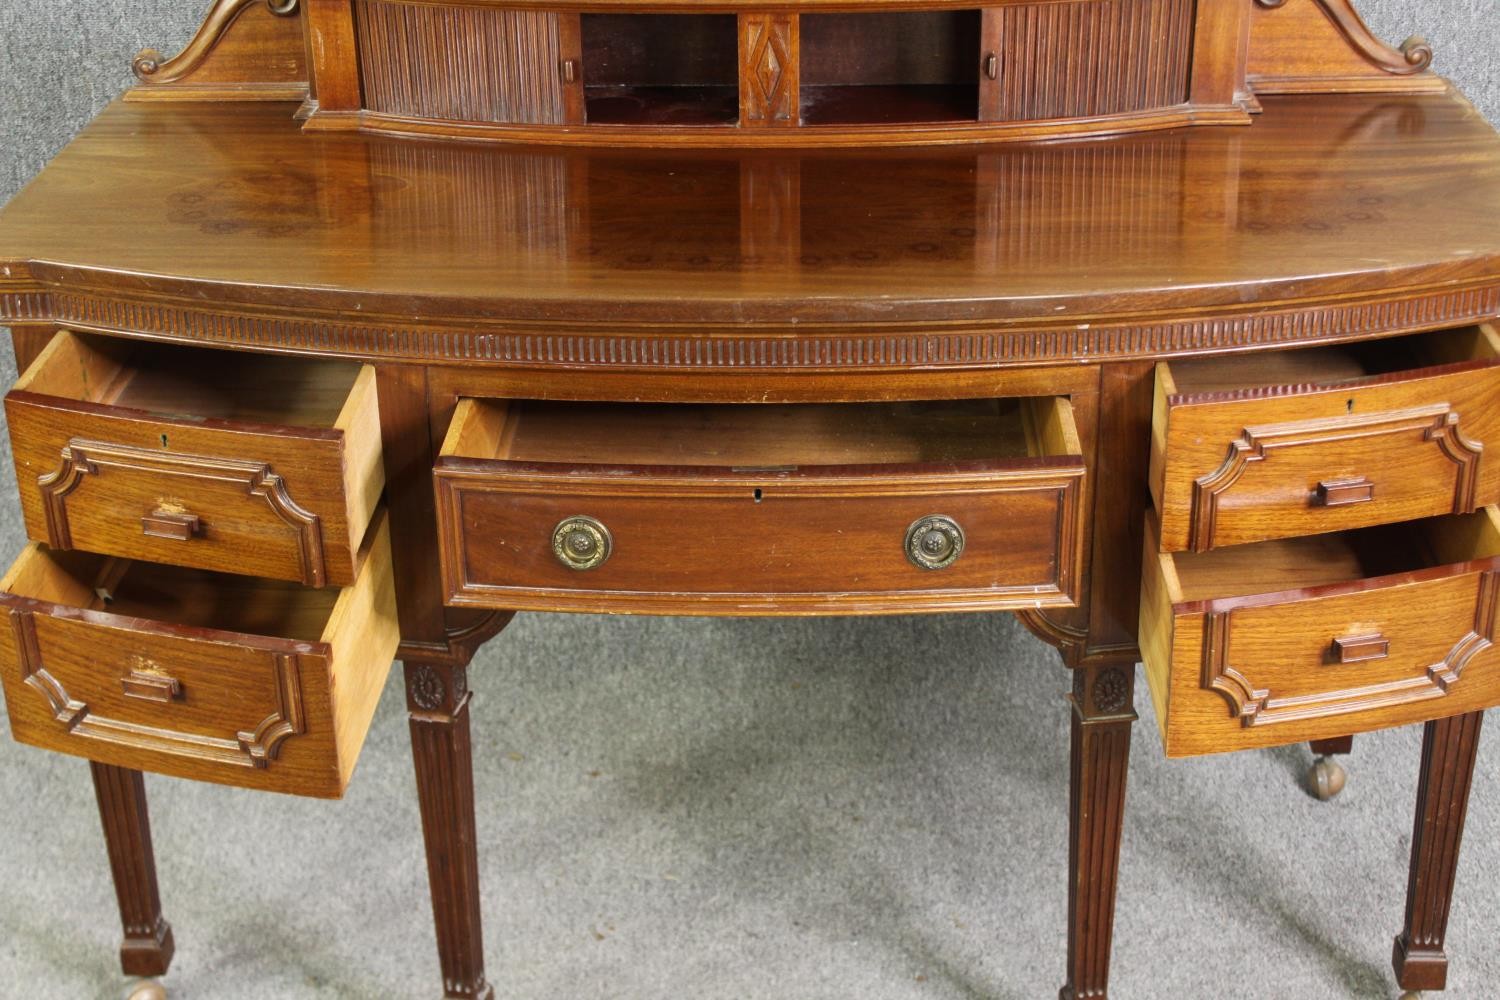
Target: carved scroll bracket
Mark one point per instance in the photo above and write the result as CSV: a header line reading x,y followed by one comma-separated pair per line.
x,y
151,67
1414,55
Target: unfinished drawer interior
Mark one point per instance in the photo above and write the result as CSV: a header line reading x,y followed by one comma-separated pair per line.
x,y
1288,443
761,509
1308,638
242,463
262,683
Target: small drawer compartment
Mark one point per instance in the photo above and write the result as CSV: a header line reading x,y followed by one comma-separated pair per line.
x,y
1292,443
1309,638
230,679
242,463
761,509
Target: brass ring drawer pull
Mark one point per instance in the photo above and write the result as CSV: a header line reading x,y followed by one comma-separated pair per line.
x,y
934,542
171,524
581,543
1343,492
1360,648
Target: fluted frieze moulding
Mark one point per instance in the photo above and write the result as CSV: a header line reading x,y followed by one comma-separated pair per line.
x,y
1414,55
151,67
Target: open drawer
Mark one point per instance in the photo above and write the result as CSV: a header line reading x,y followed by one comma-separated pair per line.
x,y
242,463
761,509
1290,443
229,679
1310,638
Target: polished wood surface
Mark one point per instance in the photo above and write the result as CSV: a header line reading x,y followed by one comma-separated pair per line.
x,y
758,370
246,50
1103,713
1304,442
158,221
230,679
1449,749
256,465
1311,638
148,946
808,537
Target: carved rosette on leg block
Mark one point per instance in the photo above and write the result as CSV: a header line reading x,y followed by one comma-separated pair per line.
x,y
437,698
1449,747
147,948
1102,701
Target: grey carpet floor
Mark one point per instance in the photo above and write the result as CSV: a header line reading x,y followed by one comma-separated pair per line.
x,y
711,810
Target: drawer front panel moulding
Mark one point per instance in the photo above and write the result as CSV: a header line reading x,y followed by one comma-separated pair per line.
x,y
479,64
697,349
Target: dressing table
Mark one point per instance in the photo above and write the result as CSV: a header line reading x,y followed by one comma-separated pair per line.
x,y
359,326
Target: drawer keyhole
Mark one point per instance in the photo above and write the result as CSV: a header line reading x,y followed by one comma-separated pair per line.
x,y
758,495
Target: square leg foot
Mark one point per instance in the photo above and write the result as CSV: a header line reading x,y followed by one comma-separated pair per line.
x,y
1419,969
480,990
147,955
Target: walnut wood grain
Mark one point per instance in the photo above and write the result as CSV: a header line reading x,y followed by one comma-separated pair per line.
x,y
245,50
1050,57
1245,647
1102,718
444,279
437,697
111,445
1325,46
460,62
770,62
1325,440
809,538
148,945
253,683
692,274
1449,748
1167,63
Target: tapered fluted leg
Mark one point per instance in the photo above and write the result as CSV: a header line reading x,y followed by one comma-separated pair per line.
x,y
438,699
147,949
1448,751
1102,718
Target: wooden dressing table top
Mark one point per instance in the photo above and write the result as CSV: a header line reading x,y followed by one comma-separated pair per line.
x,y
226,223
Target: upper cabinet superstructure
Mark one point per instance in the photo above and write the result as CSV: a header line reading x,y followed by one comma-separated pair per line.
x,y
779,72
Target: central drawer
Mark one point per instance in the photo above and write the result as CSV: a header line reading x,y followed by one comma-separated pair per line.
x,y
761,509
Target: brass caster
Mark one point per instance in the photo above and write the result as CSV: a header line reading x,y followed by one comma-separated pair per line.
x,y
146,989
1412,995
1326,778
